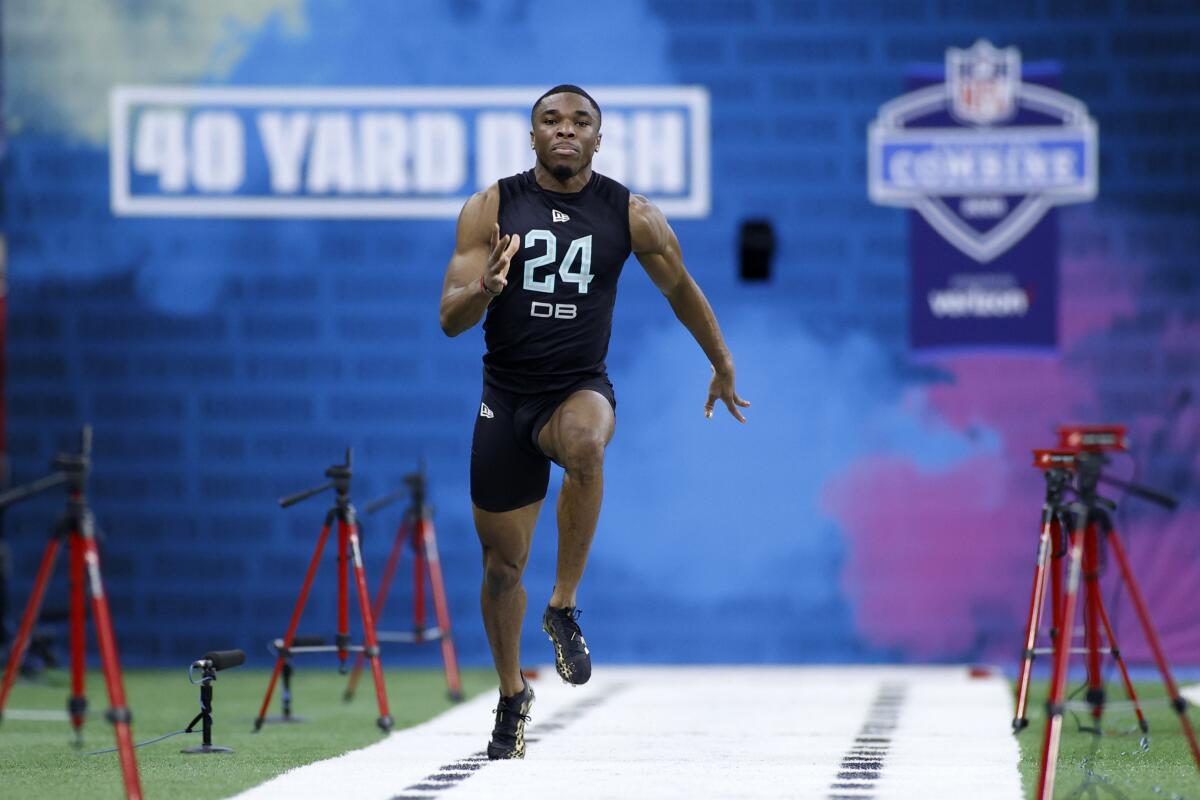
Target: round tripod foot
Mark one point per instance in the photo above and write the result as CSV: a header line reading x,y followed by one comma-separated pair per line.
x,y
258,723
206,748
385,723
347,696
1019,724
455,697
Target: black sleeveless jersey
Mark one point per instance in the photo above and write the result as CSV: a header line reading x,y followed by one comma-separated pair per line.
x,y
551,325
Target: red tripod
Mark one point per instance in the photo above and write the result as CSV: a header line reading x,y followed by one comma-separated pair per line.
x,y
78,528
1052,547
1091,527
416,526
348,545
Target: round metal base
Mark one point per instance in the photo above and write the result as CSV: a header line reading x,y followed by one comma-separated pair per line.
x,y
207,748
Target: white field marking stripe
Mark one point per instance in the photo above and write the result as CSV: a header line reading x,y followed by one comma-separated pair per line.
x,y
1191,694
36,715
955,737
700,732
450,775
406,757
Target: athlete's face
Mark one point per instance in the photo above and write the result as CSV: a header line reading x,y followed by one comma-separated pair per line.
x,y
566,134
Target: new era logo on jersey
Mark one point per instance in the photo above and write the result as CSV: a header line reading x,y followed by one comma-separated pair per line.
x,y
485,412
559,216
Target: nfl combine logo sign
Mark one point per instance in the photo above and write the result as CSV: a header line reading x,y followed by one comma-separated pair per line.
x,y
982,156
944,171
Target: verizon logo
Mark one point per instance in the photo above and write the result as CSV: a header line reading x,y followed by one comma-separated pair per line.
x,y
978,301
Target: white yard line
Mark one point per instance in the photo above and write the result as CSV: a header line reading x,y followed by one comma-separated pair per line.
x,y
700,732
36,715
1191,693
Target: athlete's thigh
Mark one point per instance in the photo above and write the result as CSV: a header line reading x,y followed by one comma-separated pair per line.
x,y
585,413
507,473
508,534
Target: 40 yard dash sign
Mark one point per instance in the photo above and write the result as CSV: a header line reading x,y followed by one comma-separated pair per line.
x,y
379,153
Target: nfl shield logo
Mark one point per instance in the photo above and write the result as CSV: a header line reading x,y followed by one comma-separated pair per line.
x,y
982,82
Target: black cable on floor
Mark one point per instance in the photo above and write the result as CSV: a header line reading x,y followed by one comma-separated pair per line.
x,y
140,744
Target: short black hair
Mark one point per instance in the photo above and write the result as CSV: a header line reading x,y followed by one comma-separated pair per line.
x,y
569,88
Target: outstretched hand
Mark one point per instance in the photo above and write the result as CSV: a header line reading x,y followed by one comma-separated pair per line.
x,y
722,387
495,276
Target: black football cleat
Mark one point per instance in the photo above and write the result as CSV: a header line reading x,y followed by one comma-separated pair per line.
x,y
508,737
572,658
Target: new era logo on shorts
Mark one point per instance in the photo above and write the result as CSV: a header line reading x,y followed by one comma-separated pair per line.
x,y
485,412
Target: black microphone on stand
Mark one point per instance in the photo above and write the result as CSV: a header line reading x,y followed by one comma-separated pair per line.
x,y
218,660
211,663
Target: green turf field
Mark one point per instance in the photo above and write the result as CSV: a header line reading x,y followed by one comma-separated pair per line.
x,y
38,761
1115,765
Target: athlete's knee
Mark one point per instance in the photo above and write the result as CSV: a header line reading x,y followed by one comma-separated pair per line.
x,y
500,574
583,454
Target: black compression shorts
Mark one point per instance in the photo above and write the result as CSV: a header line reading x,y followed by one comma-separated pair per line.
x,y
508,469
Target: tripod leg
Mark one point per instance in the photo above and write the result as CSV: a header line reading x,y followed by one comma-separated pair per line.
x,y
1116,653
1036,603
77,703
1177,701
118,712
385,585
1058,558
1058,679
1091,619
296,612
389,572
419,570
32,609
450,660
350,530
343,632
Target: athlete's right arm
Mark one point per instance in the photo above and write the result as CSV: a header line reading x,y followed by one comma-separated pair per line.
x,y
478,270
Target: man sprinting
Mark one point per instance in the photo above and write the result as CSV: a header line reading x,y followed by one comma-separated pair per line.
x,y
568,231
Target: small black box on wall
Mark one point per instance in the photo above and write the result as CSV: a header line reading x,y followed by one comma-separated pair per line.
x,y
756,244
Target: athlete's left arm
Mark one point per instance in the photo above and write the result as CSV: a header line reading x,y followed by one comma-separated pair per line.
x,y
657,249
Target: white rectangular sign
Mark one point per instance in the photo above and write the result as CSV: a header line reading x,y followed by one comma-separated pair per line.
x,y
380,153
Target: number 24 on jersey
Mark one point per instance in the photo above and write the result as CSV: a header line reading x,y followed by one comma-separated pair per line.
x,y
580,250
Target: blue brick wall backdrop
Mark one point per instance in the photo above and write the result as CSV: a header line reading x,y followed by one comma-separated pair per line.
x,y
226,363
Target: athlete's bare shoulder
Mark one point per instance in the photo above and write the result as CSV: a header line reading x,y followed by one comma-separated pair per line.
x,y
483,202
478,215
648,228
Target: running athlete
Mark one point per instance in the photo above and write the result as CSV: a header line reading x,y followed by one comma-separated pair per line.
x,y
546,394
